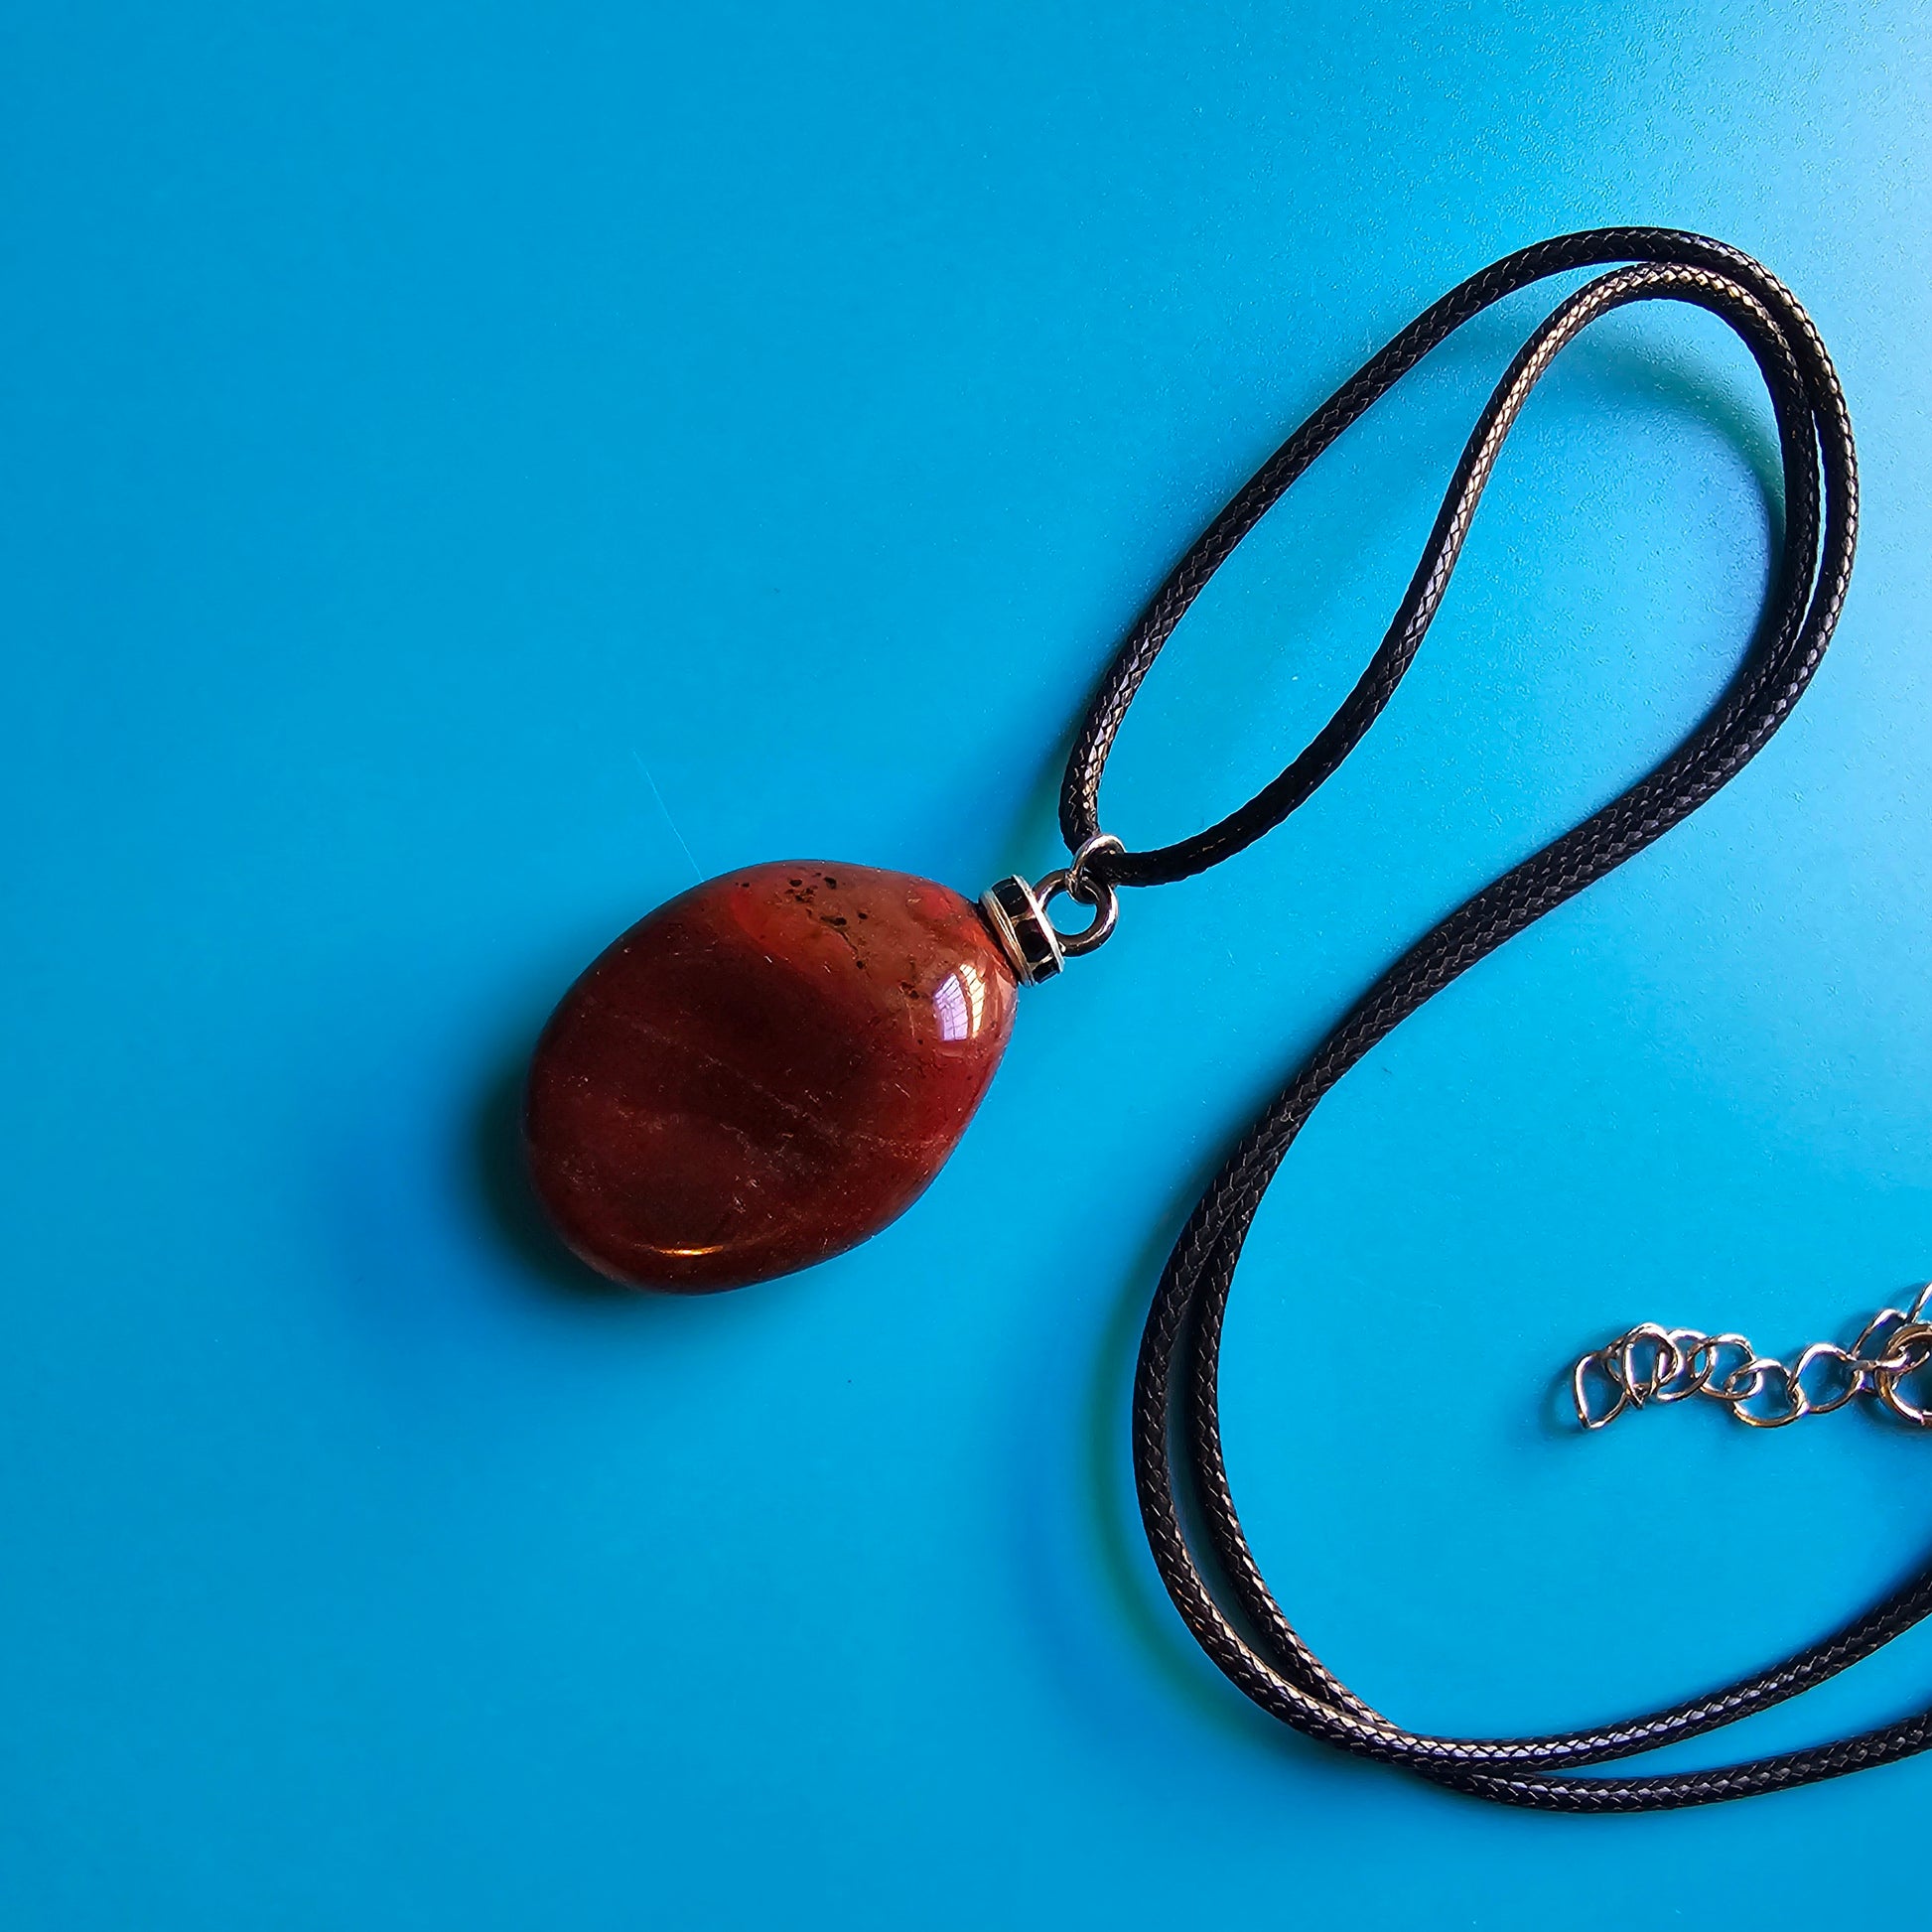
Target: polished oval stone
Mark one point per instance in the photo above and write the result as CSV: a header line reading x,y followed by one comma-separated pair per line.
x,y
764,1073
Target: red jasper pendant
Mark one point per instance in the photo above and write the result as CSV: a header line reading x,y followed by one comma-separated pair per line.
x,y
764,1073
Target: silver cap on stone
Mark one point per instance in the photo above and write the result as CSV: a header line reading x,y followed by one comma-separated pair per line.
x,y
1019,921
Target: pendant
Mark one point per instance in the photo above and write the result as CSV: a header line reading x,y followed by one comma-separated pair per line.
x,y
773,1066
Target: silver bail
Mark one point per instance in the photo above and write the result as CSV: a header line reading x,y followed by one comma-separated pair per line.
x,y
1035,948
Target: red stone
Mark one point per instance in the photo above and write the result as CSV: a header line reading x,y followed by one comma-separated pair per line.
x,y
764,1073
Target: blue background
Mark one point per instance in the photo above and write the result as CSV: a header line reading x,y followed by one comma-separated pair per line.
x,y
468,469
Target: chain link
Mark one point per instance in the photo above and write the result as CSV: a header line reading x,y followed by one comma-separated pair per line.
x,y
1652,1363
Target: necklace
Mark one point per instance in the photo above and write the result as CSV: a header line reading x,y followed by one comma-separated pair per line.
x,y
770,1068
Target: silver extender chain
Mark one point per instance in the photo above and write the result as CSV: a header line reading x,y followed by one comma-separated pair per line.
x,y
1651,1363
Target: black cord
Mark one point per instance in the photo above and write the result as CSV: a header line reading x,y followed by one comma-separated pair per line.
x,y
1213,1580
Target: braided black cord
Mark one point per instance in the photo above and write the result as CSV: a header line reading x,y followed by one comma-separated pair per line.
x,y
1219,1591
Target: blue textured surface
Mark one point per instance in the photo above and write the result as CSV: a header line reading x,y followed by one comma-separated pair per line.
x,y
466,467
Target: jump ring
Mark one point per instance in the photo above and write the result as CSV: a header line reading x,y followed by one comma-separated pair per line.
x,y
1078,885
1907,1350
1105,903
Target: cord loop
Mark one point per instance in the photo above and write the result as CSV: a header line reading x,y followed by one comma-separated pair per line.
x,y
1203,1555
